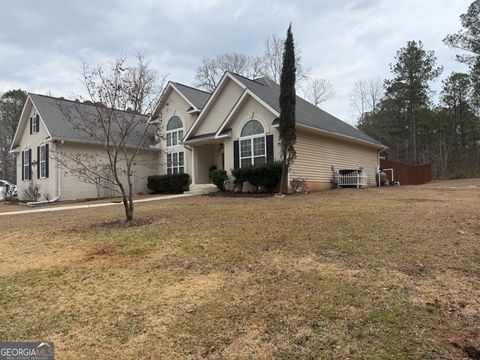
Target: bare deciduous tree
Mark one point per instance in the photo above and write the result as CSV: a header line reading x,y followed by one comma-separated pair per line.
x,y
211,71
119,96
366,95
318,91
273,60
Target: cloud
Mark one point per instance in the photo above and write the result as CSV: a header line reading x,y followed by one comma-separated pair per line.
x,y
43,44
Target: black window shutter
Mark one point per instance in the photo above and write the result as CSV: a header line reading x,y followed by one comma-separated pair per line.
x,y
46,161
29,164
269,148
236,154
38,162
37,119
31,126
23,165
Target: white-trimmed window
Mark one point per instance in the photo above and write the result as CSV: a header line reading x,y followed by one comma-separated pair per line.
x,y
176,163
174,131
26,164
253,145
42,161
34,124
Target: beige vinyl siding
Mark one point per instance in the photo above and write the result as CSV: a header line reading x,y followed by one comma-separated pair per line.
x,y
73,187
47,187
250,109
219,109
316,154
174,105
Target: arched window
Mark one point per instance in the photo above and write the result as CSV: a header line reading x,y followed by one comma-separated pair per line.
x,y
174,131
175,158
252,144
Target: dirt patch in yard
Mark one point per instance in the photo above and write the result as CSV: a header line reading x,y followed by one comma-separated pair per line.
x,y
468,342
117,223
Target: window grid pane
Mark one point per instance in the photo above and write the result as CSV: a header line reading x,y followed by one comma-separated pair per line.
x,y
246,148
252,127
174,123
259,160
246,162
42,162
174,138
26,167
175,162
259,146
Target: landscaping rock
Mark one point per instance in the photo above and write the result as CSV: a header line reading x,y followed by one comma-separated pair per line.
x,y
248,188
229,186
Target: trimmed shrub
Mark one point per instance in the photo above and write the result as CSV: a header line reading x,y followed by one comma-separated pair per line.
x,y
168,184
219,177
239,176
210,170
261,175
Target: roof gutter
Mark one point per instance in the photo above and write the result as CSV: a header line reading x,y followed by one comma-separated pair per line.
x,y
82,142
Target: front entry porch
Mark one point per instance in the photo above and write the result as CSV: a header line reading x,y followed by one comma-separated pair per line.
x,y
203,158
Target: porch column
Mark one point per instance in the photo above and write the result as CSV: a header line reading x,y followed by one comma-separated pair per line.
x,y
194,178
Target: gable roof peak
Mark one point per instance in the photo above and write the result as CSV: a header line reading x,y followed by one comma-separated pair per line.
x,y
195,97
191,87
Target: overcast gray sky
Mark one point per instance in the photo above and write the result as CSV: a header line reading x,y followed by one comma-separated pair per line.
x,y
42,43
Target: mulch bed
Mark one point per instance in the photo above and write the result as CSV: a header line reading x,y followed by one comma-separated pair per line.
x,y
232,194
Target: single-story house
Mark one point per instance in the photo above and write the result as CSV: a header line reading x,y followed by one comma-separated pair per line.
x,y
237,126
234,126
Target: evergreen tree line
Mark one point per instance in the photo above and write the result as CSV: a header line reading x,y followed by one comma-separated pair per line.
x,y
417,130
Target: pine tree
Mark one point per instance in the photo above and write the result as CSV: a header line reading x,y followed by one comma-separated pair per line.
x,y
413,70
467,41
11,106
287,109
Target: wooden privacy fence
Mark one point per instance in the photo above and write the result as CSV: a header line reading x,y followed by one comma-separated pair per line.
x,y
407,174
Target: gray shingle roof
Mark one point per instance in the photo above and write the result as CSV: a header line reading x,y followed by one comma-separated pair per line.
x,y
306,113
60,117
195,96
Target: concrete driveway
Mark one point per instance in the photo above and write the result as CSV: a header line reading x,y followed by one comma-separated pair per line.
x,y
47,208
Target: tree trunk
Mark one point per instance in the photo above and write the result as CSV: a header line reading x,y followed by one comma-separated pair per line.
x,y
128,205
414,130
128,209
284,178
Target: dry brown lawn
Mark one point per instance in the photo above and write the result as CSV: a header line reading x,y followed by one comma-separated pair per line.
x,y
389,273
